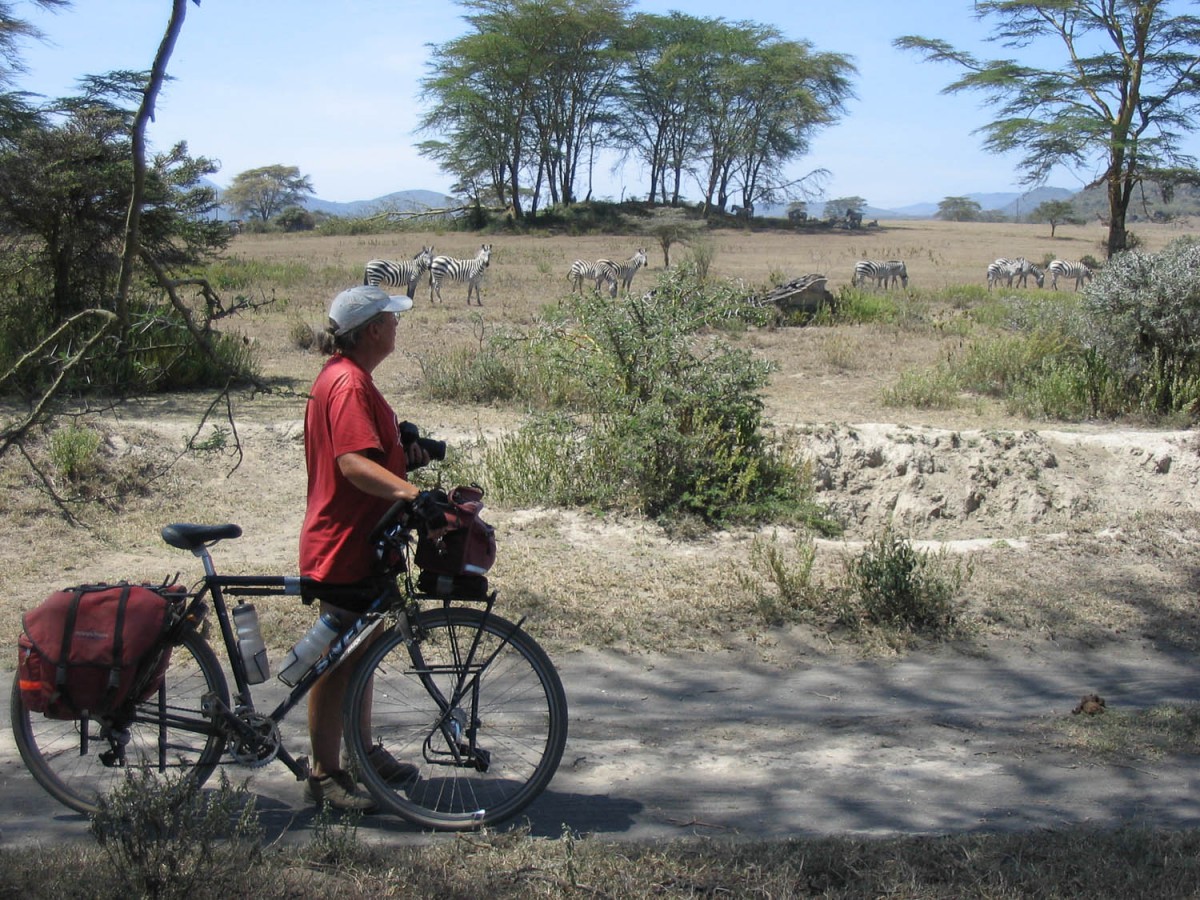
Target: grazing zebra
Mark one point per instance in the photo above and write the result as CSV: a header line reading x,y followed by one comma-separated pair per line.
x,y
886,273
619,273
385,273
581,269
1062,268
1008,269
468,270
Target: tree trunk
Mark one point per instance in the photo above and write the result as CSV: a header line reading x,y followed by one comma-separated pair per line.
x,y
145,113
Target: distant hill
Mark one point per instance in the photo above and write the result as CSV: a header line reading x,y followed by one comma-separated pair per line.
x,y
398,201
1009,203
1147,203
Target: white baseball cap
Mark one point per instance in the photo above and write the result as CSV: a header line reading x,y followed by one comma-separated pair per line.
x,y
361,303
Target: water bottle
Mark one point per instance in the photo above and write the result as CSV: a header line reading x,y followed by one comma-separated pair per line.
x,y
309,649
250,643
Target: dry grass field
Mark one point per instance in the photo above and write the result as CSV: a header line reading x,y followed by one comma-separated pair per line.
x,y
1081,535
1034,504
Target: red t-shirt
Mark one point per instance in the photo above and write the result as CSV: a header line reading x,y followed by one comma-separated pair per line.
x,y
346,413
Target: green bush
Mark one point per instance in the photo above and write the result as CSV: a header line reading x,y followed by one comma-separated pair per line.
x,y
645,409
893,586
165,837
1142,315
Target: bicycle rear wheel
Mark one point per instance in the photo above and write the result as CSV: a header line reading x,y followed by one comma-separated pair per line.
x,y
75,761
476,706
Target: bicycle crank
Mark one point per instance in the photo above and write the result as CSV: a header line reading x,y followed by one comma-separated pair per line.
x,y
255,740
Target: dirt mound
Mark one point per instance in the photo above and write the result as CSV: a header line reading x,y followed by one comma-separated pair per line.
x,y
933,482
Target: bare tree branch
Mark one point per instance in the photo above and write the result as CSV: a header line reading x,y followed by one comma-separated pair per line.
x,y
14,433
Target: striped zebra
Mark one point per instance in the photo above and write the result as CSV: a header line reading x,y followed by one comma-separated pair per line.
x,y
385,273
581,269
1007,270
1060,268
884,272
469,270
619,273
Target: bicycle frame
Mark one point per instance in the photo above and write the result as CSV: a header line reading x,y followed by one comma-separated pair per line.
x,y
216,586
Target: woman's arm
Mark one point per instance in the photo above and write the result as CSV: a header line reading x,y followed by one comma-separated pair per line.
x,y
372,478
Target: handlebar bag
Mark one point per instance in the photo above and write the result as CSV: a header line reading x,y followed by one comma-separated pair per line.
x,y
467,546
87,650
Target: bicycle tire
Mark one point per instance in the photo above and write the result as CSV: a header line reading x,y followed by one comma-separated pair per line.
x,y
521,719
71,769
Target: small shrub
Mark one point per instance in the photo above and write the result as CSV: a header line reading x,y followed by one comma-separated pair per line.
x,y
790,593
73,451
165,837
302,335
334,841
648,412
893,586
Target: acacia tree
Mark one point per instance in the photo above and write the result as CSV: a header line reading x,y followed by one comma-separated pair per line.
x,y
1126,92
581,46
265,192
1055,212
664,90
93,206
525,88
958,209
786,95
12,31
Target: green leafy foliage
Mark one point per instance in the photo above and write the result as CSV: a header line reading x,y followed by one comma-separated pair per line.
x,y
893,586
1142,318
641,407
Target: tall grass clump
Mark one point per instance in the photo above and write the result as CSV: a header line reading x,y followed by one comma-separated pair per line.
x,y
640,405
473,374
73,451
780,579
236,273
857,306
935,388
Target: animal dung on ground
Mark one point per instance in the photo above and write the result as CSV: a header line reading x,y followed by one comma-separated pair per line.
x,y
1089,704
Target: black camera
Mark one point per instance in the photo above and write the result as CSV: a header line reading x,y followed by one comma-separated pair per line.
x,y
410,433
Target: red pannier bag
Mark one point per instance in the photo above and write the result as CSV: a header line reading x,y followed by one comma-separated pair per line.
x,y
456,561
84,649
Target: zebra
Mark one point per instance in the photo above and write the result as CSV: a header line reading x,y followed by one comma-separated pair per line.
x,y
581,269
886,273
469,270
619,273
385,273
1009,269
1061,268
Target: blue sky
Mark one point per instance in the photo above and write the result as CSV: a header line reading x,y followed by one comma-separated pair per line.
x,y
334,89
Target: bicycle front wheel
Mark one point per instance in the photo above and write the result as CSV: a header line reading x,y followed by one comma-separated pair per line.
x,y
77,761
475,707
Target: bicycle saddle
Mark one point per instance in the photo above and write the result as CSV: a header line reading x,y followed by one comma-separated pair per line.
x,y
188,537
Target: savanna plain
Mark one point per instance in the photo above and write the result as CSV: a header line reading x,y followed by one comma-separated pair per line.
x,y
1077,535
